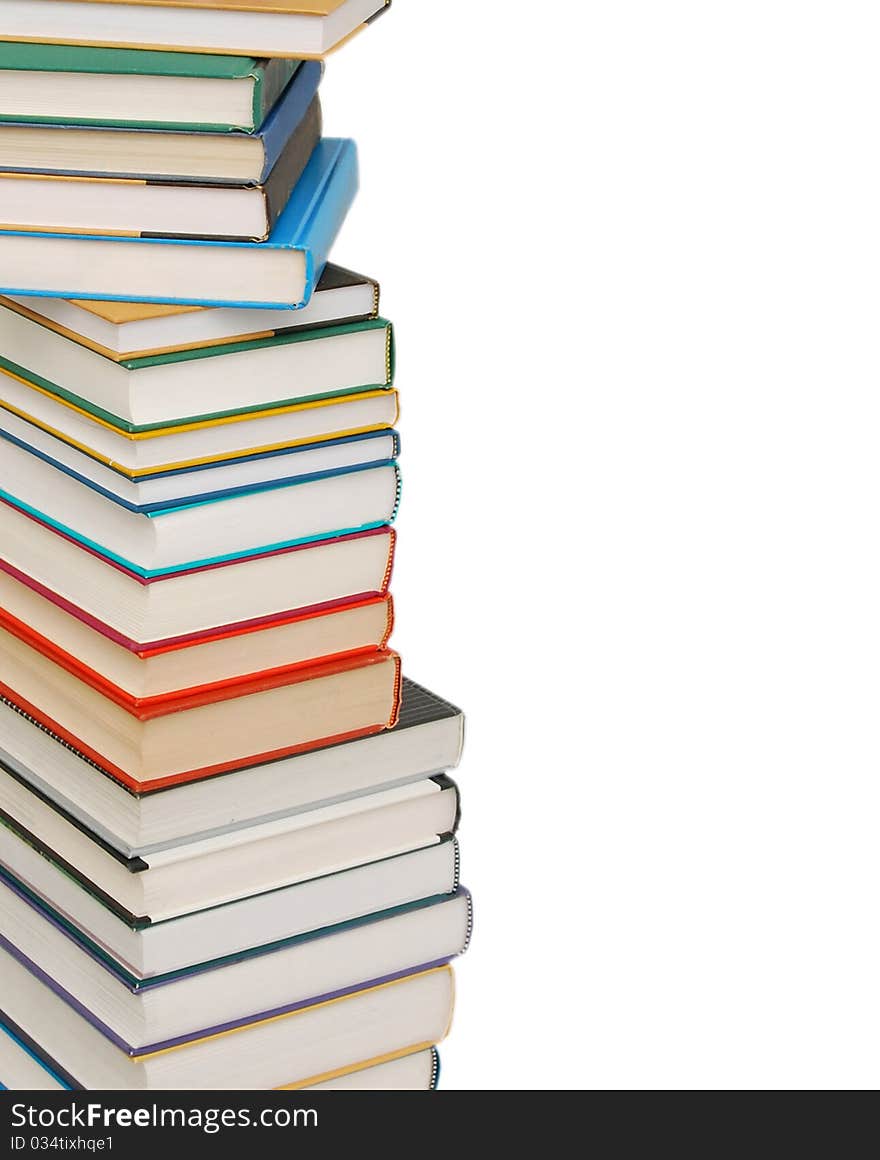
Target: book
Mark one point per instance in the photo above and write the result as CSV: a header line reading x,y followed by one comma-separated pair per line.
x,y
127,330
314,1043
63,85
159,207
426,741
245,436
145,1016
217,479
277,515
139,673
228,835
185,601
223,479
161,153
286,28
171,485
208,872
199,385
225,932
180,738
24,1066
278,273
416,1072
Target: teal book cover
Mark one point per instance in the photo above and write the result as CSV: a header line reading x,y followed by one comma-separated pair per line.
x,y
139,76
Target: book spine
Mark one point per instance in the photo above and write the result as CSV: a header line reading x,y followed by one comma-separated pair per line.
x,y
287,113
289,167
258,97
397,494
390,355
398,691
389,564
271,80
389,621
456,868
327,212
469,929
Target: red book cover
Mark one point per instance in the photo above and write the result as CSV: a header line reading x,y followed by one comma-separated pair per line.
x,y
193,701
65,660
147,708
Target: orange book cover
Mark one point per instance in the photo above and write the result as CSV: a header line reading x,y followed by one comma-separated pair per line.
x,y
199,698
148,708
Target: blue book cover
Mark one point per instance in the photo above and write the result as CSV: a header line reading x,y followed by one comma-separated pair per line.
x,y
291,474
278,274
288,112
16,1042
150,573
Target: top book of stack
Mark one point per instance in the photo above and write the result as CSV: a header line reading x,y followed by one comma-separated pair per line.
x,y
287,28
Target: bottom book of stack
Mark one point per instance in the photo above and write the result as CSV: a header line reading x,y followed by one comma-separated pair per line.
x,y
299,936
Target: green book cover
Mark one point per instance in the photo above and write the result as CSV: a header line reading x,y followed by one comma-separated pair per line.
x,y
136,984
283,338
269,78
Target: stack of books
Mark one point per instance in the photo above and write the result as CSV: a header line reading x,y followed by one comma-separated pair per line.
x,y
227,851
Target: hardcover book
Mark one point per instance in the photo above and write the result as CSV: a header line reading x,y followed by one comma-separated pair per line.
x,y
388,1020
417,1072
174,739
134,821
132,330
24,1066
217,531
280,273
142,1016
247,435
286,28
227,931
159,208
199,385
202,873
137,673
156,154
185,601
82,85
220,479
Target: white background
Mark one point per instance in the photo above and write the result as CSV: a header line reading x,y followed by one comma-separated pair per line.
x,y
632,251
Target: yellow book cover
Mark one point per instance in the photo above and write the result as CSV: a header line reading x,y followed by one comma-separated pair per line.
x,y
304,29
93,451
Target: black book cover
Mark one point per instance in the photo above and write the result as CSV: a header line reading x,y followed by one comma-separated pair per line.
x,y
288,169
8,1026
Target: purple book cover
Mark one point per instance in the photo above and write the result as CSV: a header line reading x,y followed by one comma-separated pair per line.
x,y
246,1021
136,1053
